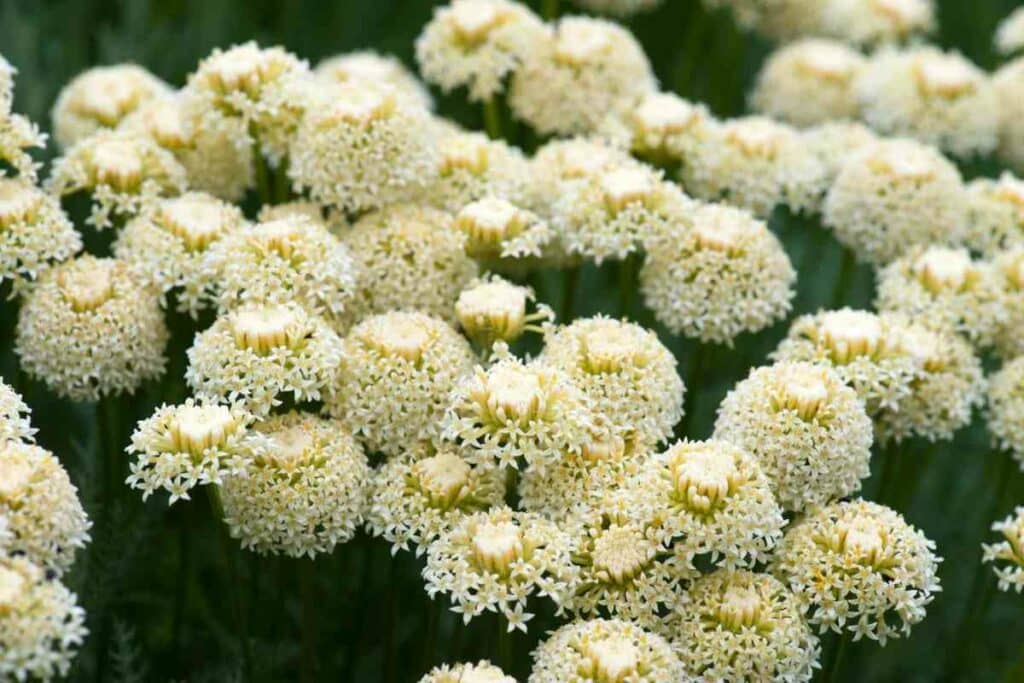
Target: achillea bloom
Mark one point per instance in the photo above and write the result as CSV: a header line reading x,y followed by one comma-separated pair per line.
x,y
605,651
370,69
303,209
757,164
409,257
618,8
719,274
742,626
893,195
713,499
561,162
1007,556
938,98
14,416
183,446
809,82
477,44
629,378
100,98
1008,82
995,214
360,147
416,501
34,232
41,624
124,173
493,309
481,672
90,328
44,516
806,428
7,73
1009,270
876,22
18,134
834,142
1009,36
517,412
167,245
945,290
584,70
1006,408
664,127
288,259
395,376
256,353
859,566
470,166
495,561
867,350
502,234
304,489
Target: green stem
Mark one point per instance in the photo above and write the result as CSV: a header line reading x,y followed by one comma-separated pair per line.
x,y
504,644
694,378
570,283
228,553
891,455
433,618
391,617
846,270
831,675
627,284
550,10
492,118
307,591
512,487
262,175
282,186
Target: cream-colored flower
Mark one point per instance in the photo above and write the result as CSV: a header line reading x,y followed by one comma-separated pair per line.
x,y
720,273
561,162
1005,411
493,309
394,379
41,624
742,626
34,232
124,174
167,246
936,97
370,69
783,20
44,516
662,127
7,73
877,22
18,134
1009,36
1008,267
304,488
91,327
502,234
416,501
835,142
481,672
15,424
618,8
471,166
578,74
304,209
100,98
256,353
605,651
807,429
757,164
409,257
809,82
477,44
183,446
496,560
1008,82
893,195
1007,556
860,567
995,214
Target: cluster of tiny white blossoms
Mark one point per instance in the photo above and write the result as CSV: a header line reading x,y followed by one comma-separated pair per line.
x,y
1007,555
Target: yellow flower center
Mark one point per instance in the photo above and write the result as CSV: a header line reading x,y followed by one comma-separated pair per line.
x,y
12,587
850,334
399,337
195,429
473,21
109,96
1014,535
1014,271
926,347
15,475
361,105
620,553
86,285
902,13
902,163
721,231
443,478
492,310
281,236
290,447
944,76
165,123
944,269
755,138
1010,190
805,393
863,539
243,68
464,153
514,393
117,163
196,221
487,223
18,202
580,43
496,545
703,475
610,349
612,660
740,608
827,62
262,329
665,114
610,448
625,186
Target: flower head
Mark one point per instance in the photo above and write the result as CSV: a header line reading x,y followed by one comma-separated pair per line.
x,y
1007,556
14,416
561,162
471,166
1008,267
1005,402
7,73
18,134
369,69
664,127
1009,36
1008,83
834,142
34,232
493,309
877,22
995,214
481,672
503,234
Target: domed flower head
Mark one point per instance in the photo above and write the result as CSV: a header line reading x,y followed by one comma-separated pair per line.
x,y
481,672
124,174
629,378
867,350
369,69
167,245
713,499
1009,37
757,164
44,516
496,560
477,44
618,8
859,566
263,88
1006,408
304,489
14,416
288,259
809,82
502,234
302,209
256,353
416,501
995,214
41,624
720,273
90,328
806,428
938,98
877,22
945,290
1007,556
1008,82
1008,267
34,232
835,142
605,651
395,376
493,309
215,153
18,134
742,626
7,73
183,446
664,128
560,162
893,195
470,166
360,147
514,412
101,98
409,258
584,70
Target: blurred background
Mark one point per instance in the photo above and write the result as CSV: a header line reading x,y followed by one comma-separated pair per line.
x,y
146,625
